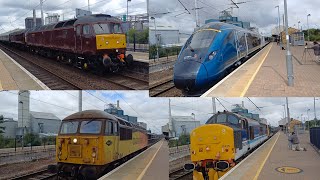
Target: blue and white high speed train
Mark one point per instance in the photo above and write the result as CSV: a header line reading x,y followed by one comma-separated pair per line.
x,y
210,52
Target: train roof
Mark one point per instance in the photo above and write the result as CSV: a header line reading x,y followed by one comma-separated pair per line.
x,y
223,26
97,114
76,21
249,120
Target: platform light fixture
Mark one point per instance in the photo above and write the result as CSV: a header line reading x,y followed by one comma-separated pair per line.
x,y
289,55
308,26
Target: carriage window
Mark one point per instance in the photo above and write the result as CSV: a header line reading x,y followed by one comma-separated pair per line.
x,y
90,127
69,127
221,118
125,134
109,128
233,119
86,29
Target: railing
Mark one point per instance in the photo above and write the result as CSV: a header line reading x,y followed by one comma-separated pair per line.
x,y
315,136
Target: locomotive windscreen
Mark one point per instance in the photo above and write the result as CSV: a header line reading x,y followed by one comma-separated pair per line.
x,y
109,28
197,46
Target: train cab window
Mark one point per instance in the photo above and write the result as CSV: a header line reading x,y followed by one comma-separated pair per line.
x,y
69,127
115,128
90,127
117,28
109,128
233,119
102,28
86,29
221,118
78,30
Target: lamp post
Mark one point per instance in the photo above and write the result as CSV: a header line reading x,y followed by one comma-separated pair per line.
x,y
127,17
194,119
22,143
289,55
308,27
299,26
279,24
88,5
155,35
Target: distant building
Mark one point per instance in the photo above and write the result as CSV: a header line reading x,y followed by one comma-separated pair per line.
x,y
167,35
117,111
293,33
46,123
29,24
240,109
142,124
10,128
226,17
183,125
52,18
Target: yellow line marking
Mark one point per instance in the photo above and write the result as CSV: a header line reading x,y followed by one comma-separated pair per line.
x,y
255,73
145,169
265,160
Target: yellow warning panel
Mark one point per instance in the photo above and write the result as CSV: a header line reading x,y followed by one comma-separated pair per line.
x,y
289,170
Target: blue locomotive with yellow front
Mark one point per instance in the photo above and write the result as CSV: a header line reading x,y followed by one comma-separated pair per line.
x,y
210,52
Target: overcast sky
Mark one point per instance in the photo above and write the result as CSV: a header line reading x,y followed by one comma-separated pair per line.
x,y
153,111
13,13
261,13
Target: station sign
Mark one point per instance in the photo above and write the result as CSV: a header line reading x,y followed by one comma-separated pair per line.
x,y
288,170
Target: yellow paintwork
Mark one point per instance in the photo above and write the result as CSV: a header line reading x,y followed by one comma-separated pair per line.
x,y
104,153
206,142
111,41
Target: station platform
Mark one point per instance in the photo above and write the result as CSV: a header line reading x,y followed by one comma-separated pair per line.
x,y
265,74
153,164
274,160
14,77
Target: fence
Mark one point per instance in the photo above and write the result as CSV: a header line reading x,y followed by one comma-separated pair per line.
x,y
138,40
315,136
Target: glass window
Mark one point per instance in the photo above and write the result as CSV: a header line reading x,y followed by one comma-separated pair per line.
x,y
115,128
69,127
90,127
233,119
117,28
101,28
221,118
86,29
109,128
201,39
78,30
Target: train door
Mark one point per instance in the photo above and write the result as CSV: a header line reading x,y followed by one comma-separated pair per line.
x,y
111,141
78,42
242,44
247,47
117,139
86,38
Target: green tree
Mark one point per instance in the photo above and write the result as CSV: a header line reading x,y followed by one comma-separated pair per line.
x,y
32,139
1,127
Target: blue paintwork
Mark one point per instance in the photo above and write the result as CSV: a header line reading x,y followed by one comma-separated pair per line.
x,y
210,70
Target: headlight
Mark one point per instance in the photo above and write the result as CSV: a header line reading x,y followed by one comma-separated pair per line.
x,y
212,55
93,154
75,140
117,42
107,42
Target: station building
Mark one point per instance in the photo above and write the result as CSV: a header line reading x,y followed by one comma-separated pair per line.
x,y
167,35
10,126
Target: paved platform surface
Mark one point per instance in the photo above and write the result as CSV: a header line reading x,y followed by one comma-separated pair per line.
x,y
151,164
15,77
265,74
262,164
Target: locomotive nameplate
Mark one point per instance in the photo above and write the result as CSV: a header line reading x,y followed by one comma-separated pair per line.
x,y
288,170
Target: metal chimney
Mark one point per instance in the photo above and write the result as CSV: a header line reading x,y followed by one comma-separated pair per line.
x,y
34,19
118,104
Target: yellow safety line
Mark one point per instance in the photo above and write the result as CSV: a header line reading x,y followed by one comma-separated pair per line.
x,y
145,169
265,160
255,73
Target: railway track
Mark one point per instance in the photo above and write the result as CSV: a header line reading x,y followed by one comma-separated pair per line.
x,y
180,174
161,88
128,82
38,175
44,74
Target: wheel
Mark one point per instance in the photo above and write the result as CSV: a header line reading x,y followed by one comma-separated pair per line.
x,y
129,60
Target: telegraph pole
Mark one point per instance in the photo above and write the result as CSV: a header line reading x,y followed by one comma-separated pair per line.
x,y
41,5
197,13
80,101
279,25
88,5
289,55
214,109
314,108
